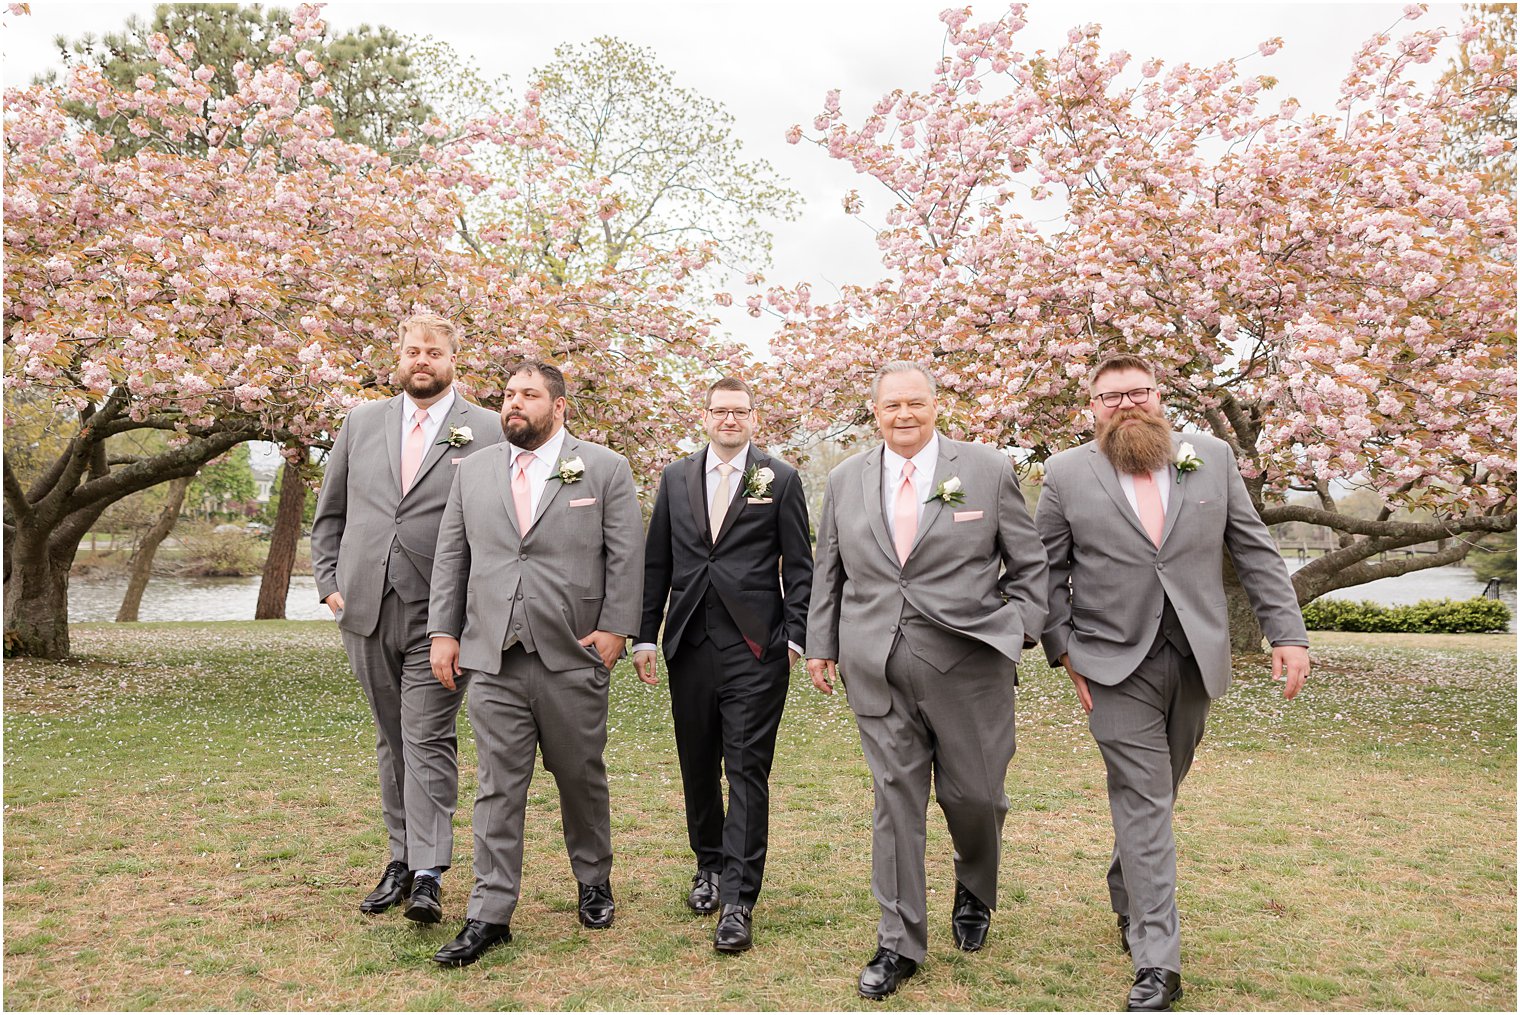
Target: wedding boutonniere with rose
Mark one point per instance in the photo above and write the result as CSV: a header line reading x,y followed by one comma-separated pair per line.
x,y
1187,460
757,483
949,491
571,470
458,436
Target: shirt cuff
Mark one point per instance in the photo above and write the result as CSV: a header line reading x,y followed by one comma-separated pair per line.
x,y
645,646
795,647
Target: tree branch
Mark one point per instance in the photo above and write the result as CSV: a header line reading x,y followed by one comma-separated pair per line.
x,y
1405,533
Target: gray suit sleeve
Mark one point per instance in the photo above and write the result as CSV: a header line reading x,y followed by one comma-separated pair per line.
x,y
332,509
623,537
451,568
1260,568
1055,533
1022,584
828,585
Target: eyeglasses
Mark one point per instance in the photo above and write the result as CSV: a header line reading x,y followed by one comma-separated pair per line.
x,y
1136,396
738,415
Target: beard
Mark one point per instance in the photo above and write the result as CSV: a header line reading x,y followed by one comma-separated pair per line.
x,y
1144,446
528,434
424,385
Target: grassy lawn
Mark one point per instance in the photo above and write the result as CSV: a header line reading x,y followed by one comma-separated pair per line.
x,y
191,818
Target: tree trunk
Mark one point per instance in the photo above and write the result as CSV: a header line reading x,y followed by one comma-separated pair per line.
x,y
142,560
37,596
1245,630
283,540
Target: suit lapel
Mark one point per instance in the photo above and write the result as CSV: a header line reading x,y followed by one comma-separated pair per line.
x,y
944,468
753,459
501,474
455,417
696,491
1108,478
553,487
876,509
1176,501
393,440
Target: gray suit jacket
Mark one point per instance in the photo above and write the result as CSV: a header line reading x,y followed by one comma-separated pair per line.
x,y
365,535
586,541
1108,580
975,581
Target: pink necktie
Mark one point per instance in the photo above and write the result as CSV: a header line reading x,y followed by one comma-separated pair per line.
x,y
522,493
411,455
1148,506
905,515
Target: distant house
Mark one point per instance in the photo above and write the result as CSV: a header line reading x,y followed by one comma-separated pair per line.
x,y
263,479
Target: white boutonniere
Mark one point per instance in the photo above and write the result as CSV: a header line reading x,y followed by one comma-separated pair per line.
x,y
571,470
757,482
949,491
458,436
1187,460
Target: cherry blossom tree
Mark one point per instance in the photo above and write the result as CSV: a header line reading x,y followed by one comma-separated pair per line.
x,y
1323,291
242,276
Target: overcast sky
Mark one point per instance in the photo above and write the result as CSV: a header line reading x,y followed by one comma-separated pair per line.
x,y
771,63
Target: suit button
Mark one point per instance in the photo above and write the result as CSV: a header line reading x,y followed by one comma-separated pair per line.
x,y
712,557
522,556
903,582
518,597
1160,566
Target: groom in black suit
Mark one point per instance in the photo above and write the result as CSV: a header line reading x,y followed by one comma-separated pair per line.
x,y
728,543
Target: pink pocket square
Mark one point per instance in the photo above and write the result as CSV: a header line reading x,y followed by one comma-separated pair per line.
x,y
583,502
455,461
967,516
757,500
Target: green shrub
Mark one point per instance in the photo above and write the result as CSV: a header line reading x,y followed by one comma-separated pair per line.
x,y
1429,616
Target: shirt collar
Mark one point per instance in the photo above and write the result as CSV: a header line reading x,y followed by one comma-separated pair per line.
x,y
926,454
439,410
547,452
737,463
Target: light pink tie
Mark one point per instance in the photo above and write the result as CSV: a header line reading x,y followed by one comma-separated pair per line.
x,y
905,515
1148,506
718,510
522,493
411,455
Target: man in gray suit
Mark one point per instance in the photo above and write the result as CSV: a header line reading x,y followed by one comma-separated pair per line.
x,y
536,586
1136,524
929,581
372,542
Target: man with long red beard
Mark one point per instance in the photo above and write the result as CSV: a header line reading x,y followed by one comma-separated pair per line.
x,y
1135,524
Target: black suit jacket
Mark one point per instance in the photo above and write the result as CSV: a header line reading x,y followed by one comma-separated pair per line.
x,y
761,566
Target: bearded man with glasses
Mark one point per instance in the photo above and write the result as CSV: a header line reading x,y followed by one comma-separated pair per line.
x,y
1135,525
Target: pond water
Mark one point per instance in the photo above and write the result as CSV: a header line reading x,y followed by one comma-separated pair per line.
x,y
235,598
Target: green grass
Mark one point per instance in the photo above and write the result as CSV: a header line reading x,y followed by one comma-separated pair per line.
x,y
191,818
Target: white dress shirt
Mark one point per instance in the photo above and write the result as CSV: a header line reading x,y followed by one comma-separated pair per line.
x,y
542,463
436,414
1163,478
924,464
734,480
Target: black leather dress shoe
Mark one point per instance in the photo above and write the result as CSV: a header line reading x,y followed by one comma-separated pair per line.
x,y
1124,933
969,920
884,974
472,942
1155,990
596,906
395,885
423,906
703,898
732,935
